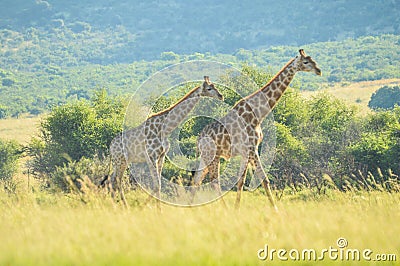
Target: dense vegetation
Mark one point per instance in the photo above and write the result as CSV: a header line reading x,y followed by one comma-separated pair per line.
x,y
69,58
386,97
144,29
76,130
322,142
9,154
52,51
39,71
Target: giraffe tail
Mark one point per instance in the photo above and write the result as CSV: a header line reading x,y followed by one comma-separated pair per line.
x,y
103,182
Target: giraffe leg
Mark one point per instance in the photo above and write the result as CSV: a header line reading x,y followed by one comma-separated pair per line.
x,y
149,198
121,192
214,168
217,187
242,173
197,180
160,164
267,188
199,176
152,162
116,180
206,148
259,172
151,195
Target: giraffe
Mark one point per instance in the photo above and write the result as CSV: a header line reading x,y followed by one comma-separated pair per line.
x,y
148,142
239,133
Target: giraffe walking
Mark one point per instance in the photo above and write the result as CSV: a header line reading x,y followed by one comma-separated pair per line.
x,y
148,142
239,133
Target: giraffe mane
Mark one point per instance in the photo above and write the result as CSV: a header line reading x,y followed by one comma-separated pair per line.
x,y
172,106
269,82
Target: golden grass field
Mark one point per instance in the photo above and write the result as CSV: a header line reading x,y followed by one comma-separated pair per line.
x,y
357,93
44,229
19,129
40,228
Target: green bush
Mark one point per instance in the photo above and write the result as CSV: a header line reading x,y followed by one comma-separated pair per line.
x,y
386,97
4,113
73,176
7,82
9,154
379,145
75,130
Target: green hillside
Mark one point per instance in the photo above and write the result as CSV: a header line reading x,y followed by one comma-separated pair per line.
x,y
37,74
184,27
52,51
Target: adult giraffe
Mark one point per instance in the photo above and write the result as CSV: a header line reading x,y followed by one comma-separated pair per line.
x,y
239,132
148,142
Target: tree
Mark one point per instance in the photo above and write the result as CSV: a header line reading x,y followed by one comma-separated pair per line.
x,y
75,130
169,56
379,145
386,97
372,151
328,133
3,111
292,111
311,137
291,157
9,154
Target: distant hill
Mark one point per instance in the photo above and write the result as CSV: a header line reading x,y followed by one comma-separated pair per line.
x,y
185,27
40,71
53,51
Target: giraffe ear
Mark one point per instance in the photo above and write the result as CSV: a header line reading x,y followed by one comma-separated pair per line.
x,y
302,53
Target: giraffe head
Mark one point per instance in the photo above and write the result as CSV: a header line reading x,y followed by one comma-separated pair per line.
x,y
306,63
208,89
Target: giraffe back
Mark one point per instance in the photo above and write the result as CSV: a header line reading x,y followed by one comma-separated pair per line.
x,y
237,133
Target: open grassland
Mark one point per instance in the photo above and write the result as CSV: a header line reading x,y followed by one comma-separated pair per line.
x,y
356,93
19,129
44,229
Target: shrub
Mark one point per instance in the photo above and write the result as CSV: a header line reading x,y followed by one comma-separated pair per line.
x,y
9,154
379,145
7,82
4,113
75,130
385,98
72,176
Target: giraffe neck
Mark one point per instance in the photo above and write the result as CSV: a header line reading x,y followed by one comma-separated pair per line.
x,y
265,99
174,115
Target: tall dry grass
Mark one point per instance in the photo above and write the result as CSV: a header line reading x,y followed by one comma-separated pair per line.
x,y
356,93
20,129
62,229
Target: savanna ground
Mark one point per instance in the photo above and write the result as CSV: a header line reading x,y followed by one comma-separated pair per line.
x,y
44,229
357,93
41,228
